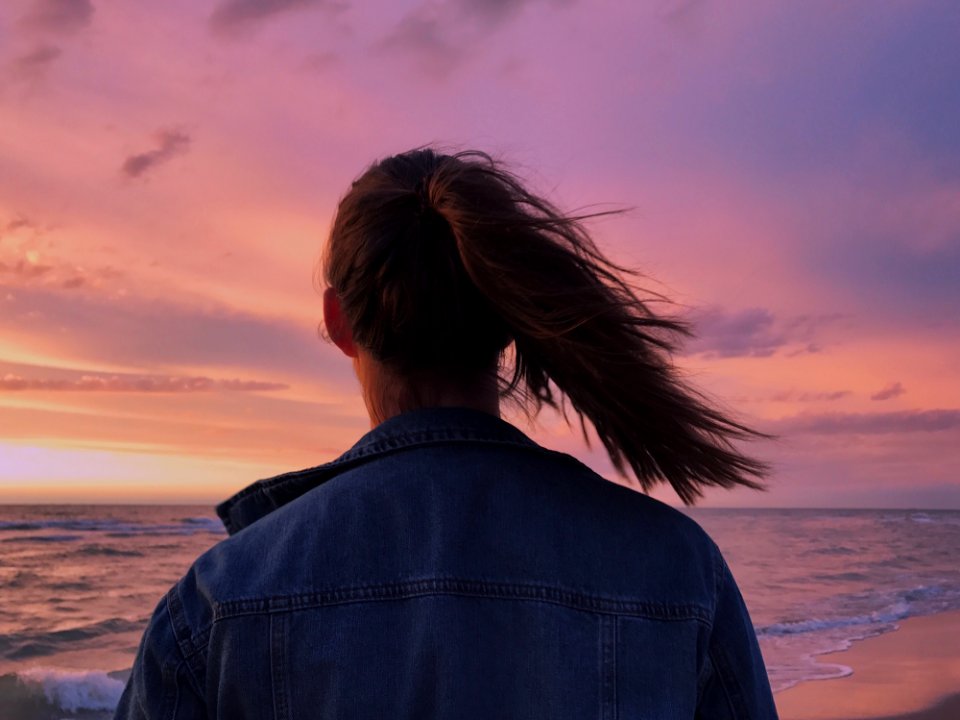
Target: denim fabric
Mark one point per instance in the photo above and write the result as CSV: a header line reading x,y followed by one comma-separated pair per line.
x,y
447,566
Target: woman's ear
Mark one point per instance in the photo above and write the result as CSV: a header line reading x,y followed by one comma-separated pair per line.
x,y
337,325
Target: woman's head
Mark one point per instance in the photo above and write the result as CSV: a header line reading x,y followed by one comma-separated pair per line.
x,y
394,261
437,264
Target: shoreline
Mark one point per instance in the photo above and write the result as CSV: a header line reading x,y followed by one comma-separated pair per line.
x,y
912,673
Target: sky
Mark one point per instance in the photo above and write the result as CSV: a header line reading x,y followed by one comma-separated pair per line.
x,y
169,172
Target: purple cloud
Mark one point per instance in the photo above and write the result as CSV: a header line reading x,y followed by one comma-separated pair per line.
x,y
493,11
753,332
59,15
35,62
422,35
170,143
232,16
904,421
890,391
135,383
440,37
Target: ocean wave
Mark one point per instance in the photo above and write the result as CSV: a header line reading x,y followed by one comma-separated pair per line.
x,y
26,645
112,528
42,538
212,524
49,693
107,551
841,577
933,517
797,627
899,605
832,550
22,579
811,670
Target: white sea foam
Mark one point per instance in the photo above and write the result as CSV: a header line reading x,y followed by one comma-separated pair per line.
x,y
890,614
73,690
204,523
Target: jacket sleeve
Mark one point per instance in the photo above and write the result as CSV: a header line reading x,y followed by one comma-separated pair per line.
x,y
733,683
160,686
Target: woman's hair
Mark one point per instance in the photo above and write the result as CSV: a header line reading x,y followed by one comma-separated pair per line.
x,y
441,261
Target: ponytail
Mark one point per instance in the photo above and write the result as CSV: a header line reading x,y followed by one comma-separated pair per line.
x,y
442,261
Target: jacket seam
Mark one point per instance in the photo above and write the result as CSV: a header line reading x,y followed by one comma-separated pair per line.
x,y
278,671
454,586
719,566
187,642
729,692
175,691
728,681
608,667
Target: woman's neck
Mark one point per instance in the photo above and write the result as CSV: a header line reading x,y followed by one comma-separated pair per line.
x,y
387,394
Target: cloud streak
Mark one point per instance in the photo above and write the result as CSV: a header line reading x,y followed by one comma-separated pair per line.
x,y
905,421
793,395
890,391
23,270
31,268
754,332
37,59
421,34
98,327
169,144
440,37
234,16
135,383
59,16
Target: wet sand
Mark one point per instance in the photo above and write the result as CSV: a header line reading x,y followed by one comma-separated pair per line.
x,y
910,674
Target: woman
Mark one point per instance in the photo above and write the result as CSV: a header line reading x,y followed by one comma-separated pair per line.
x,y
447,566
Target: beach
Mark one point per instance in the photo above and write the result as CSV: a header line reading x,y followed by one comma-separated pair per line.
x,y
910,674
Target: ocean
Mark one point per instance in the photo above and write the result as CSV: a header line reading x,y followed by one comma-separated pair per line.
x,y
78,584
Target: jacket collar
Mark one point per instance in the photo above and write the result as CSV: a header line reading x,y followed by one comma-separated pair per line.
x,y
423,426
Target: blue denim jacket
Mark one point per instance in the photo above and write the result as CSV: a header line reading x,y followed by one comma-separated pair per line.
x,y
447,566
